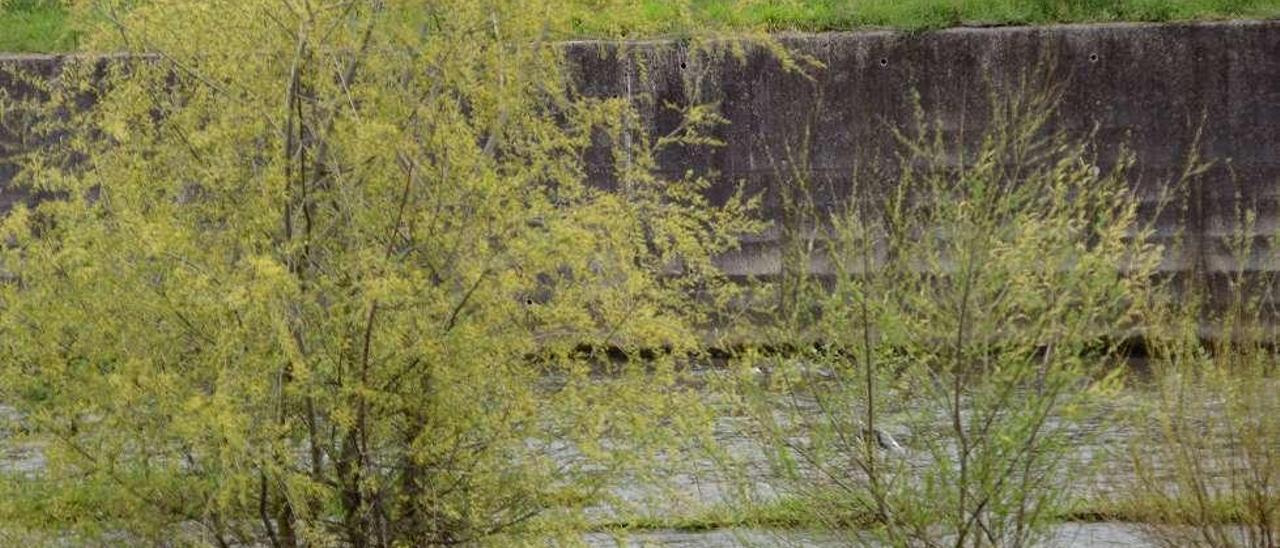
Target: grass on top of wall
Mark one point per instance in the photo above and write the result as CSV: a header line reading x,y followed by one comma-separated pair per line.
x,y
46,26
668,17
27,27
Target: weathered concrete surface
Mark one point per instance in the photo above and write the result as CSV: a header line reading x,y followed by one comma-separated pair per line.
x,y
1148,87
1152,88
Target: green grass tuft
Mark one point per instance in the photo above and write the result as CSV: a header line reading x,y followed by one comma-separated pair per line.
x,y
27,27
783,513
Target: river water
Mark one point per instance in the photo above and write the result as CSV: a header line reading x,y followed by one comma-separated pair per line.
x,y
704,483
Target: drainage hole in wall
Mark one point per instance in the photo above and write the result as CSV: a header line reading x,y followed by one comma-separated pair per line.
x,y
1093,58
884,62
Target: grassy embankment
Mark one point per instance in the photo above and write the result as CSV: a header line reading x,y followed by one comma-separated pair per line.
x,y
46,26
799,513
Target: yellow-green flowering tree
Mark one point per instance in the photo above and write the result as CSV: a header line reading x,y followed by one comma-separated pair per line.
x,y
330,272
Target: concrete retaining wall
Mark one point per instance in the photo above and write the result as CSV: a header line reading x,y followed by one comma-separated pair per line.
x,y
1148,87
1157,89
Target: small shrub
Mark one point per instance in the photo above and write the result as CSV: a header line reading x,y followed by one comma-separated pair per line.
x,y
1204,461
964,334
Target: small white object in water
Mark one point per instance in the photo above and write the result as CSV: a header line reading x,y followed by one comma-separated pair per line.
x,y
886,441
